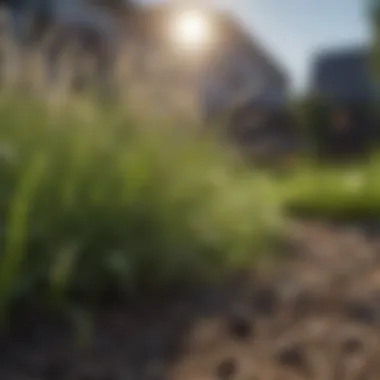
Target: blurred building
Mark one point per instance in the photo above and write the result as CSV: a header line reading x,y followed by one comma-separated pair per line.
x,y
234,78
342,79
234,71
243,72
31,16
343,75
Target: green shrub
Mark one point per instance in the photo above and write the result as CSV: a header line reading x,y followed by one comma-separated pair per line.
x,y
340,191
93,197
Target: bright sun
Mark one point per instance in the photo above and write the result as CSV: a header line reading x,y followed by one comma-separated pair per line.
x,y
191,29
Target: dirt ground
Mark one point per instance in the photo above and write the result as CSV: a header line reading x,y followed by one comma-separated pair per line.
x,y
314,315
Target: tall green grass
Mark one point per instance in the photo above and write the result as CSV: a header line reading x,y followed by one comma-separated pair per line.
x,y
92,196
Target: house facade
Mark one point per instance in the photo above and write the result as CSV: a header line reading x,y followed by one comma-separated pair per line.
x,y
342,79
344,75
244,73
235,71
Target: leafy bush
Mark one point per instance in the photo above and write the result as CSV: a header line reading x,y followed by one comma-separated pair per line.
x,y
92,197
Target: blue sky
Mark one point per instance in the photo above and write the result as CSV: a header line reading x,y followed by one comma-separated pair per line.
x,y
293,30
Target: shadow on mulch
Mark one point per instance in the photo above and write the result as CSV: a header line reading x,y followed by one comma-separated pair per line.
x,y
138,340
315,315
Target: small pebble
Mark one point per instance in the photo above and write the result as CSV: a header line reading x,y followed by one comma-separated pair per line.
x,y
292,356
303,303
361,312
352,346
240,327
266,301
227,369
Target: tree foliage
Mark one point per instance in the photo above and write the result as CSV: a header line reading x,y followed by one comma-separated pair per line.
x,y
374,12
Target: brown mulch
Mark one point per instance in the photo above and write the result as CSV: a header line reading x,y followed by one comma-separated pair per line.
x,y
315,314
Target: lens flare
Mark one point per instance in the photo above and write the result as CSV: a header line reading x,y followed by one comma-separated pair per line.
x,y
191,29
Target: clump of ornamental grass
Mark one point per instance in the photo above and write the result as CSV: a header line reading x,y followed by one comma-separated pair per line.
x,y
113,194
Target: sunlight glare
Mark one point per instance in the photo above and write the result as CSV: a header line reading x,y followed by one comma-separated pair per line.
x,y
192,29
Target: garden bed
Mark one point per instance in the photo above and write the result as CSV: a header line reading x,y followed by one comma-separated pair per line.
x,y
311,315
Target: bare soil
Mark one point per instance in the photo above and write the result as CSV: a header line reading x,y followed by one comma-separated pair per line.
x,y
314,314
